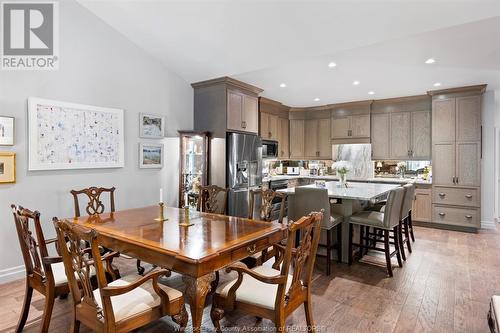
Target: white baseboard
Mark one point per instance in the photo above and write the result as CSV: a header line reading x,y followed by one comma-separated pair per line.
x,y
488,225
13,273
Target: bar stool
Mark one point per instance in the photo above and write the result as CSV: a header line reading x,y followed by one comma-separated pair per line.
x,y
406,215
387,221
310,199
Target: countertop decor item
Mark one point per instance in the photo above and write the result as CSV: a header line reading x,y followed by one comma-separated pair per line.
x,y
342,168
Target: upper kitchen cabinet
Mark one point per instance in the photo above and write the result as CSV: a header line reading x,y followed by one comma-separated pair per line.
x,y
297,138
401,128
274,124
310,134
226,104
350,122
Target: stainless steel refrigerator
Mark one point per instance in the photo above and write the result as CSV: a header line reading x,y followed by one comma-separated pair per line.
x,y
243,170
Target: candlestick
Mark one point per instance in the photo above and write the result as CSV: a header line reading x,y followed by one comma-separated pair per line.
x,y
161,195
185,222
161,217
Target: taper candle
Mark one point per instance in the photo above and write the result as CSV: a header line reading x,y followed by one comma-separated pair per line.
x,y
161,195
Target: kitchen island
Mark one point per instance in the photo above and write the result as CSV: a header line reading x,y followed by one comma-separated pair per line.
x,y
346,201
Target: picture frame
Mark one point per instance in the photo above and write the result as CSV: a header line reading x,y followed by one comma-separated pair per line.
x,y
6,131
151,126
63,135
7,167
150,155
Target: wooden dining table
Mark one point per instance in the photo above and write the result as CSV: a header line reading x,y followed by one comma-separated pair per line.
x,y
197,252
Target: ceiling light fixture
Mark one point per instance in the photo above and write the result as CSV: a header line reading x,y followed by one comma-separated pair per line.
x,y
316,99
332,64
430,61
356,83
371,93
282,85
437,84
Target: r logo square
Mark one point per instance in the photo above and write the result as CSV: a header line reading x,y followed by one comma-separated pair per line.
x,y
30,38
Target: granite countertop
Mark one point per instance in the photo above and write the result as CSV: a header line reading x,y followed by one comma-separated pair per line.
x,y
368,180
355,191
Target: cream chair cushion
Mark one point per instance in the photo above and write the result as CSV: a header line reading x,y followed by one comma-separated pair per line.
x,y
60,274
369,218
139,300
254,292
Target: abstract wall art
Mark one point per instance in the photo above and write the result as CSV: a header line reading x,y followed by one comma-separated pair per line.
x,y
6,131
73,136
151,126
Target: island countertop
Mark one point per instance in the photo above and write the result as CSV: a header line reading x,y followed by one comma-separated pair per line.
x,y
388,180
354,191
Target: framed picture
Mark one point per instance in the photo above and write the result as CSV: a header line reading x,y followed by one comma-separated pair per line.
x,y
7,167
65,135
6,131
151,126
150,155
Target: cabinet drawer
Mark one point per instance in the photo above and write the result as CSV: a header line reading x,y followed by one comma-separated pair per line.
x,y
249,249
468,217
456,196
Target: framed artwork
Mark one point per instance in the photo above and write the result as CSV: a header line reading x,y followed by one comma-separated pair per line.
x,y
151,126
6,131
65,135
7,167
151,155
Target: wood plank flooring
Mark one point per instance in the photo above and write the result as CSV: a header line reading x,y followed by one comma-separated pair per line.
x,y
444,286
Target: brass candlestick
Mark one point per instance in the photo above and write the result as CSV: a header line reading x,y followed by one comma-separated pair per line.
x,y
161,218
185,223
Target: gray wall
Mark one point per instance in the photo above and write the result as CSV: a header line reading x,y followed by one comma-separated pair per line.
x,y
98,67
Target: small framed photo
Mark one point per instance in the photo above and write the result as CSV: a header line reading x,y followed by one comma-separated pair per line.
x,y
150,155
6,131
7,167
151,126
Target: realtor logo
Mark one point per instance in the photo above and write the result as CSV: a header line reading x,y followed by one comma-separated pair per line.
x,y
30,35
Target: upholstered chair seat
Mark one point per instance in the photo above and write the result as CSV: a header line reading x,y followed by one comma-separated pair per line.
x,y
60,274
369,218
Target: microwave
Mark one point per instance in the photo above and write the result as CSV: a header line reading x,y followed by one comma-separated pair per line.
x,y
269,149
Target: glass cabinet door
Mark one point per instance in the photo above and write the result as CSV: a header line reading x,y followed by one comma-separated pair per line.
x,y
194,166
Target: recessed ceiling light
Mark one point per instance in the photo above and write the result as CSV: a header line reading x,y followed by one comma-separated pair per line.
x,y
371,93
430,61
355,83
316,99
332,64
282,85
437,84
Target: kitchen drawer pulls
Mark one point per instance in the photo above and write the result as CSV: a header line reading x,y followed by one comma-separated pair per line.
x,y
251,248
442,214
468,196
468,216
442,194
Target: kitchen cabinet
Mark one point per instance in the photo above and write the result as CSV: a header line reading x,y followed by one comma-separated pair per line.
x,y
269,126
242,112
354,126
317,143
283,138
422,205
297,138
456,164
380,136
400,138
421,135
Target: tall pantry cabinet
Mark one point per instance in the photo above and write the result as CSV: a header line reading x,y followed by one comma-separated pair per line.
x,y
456,156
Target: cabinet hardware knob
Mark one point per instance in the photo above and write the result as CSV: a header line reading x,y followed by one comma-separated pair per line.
x,y
468,216
251,248
442,194
457,180
468,196
442,214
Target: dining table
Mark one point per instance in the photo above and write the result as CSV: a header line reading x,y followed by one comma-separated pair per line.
x,y
346,199
191,243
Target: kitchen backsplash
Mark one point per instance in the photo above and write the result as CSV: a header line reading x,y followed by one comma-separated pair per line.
x,y
359,156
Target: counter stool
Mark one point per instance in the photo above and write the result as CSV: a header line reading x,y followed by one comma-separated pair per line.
x,y
311,199
386,221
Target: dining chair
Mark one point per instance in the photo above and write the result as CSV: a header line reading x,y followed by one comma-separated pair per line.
x,y
264,210
386,221
44,273
309,199
123,305
271,292
95,206
212,199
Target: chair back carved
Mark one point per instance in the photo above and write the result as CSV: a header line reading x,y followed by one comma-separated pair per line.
x,y
95,205
33,246
212,199
300,257
79,263
266,207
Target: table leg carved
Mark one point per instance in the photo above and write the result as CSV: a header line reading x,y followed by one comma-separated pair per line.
x,y
196,292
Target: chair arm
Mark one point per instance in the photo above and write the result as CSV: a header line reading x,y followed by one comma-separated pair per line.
x,y
51,260
110,256
242,268
115,291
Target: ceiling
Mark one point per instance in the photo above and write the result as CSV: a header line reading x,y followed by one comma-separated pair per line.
x,y
382,44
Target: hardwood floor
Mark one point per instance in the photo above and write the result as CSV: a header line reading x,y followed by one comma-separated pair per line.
x,y
444,286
